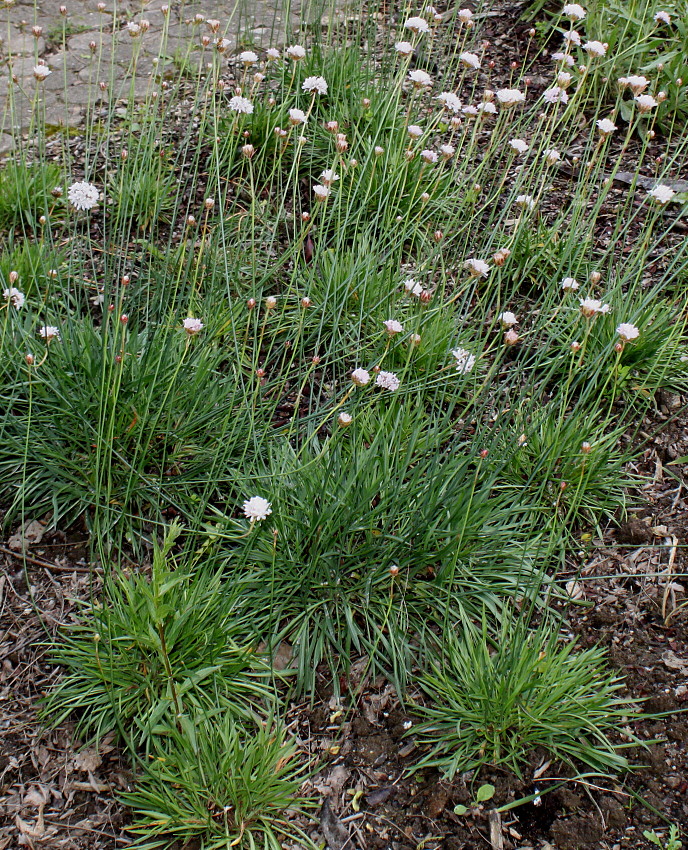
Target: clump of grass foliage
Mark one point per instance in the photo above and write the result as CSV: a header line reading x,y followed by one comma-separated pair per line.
x,y
341,313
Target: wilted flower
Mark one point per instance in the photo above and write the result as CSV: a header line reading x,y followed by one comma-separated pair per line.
x,y
82,195
595,49
296,116
507,319
552,156
248,151
360,377
606,127
570,283
240,104
525,202
591,307
393,327
387,380
566,58
511,337
476,268
257,509
316,85
465,361
661,194
510,97
555,94
501,256
321,192
49,332
663,18
345,419
420,78
14,296
564,79
470,60
572,37
404,47
627,332
645,102
296,52
40,72
415,339
573,11
519,145
447,151
192,326
417,25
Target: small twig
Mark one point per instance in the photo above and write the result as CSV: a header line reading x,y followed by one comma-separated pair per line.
x,y
38,562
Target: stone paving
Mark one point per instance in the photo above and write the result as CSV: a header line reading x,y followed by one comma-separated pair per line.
x,y
90,52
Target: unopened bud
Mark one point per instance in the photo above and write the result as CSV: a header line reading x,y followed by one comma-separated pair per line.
x,y
425,297
30,359
126,280
366,102
14,277
124,318
251,303
305,301
586,448
42,220
483,453
438,236
38,31
260,373
191,221
205,40
595,277
575,346
394,570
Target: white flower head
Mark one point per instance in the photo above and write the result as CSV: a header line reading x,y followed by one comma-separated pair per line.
x,y
297,116
248,57
413,287
49,332
662,18
393,327
645,102
447,151
256,509
627,332
414,131
83,196
296,52
510,97
525,202
470,111
465,361
573,11
635,82
470,60
345,419
661,194
316,85
606,127
240,104
590,307
321,192
564,79
555,94
573,37
595,49
14,296
387,380
465,16
570,284
429,156
405,48
476,268
417,25
552,156
565,58
40,72
360,377
192,326
518,145
487,108
329,176
507,319
419,78
272,54
450,101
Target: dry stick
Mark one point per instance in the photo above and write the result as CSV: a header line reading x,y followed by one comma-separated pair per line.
x,y
38,562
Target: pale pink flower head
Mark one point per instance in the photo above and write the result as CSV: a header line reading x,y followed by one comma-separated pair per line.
x,y
635,82
405,48
663,18
590,307
417,25
360,377
507,319
606,127
387,380
645,102
661,195
627,332
297,116
414,131
419,78
429,157
465,361
518,145
510,97
450,101
393,327
552,156
565,58
41,72
272,54
447,151
256,509
241,105
315,85
573,37
296,52
192,326
345,419
487,108
49,332
476,268
555,94
574,12
14,296
470,60
596,49
465,16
